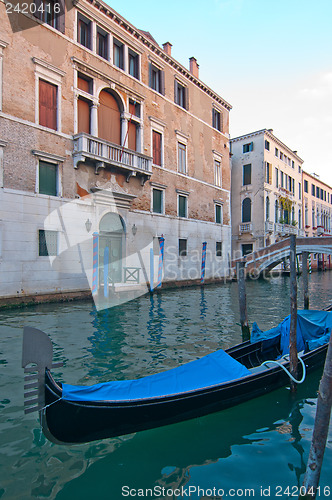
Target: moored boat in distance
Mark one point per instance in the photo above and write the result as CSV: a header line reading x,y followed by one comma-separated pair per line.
x,y
77,414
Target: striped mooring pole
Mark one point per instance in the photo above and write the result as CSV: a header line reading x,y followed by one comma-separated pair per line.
x,y
161,260
309,259
95,245
151,269
203,262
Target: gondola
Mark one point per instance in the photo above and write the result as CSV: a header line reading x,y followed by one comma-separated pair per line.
x,y
79,414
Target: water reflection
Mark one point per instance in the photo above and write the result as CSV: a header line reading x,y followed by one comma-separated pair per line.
x,y
262,442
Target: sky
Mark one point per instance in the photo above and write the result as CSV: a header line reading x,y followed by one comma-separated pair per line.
x,y
270,59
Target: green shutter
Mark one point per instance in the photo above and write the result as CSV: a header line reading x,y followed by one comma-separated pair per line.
x,y
182,206
48,178
157,201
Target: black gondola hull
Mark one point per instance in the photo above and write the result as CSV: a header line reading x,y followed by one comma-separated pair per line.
x,y
72,422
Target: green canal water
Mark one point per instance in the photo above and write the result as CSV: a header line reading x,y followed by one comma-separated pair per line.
x,y
257,449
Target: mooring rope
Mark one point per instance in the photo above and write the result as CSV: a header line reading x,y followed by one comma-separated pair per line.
x,y
285,369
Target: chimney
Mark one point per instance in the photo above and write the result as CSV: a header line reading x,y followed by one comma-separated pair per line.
x,y
194,67
167,48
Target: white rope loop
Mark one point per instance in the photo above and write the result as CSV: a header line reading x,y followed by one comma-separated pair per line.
x,y
285,369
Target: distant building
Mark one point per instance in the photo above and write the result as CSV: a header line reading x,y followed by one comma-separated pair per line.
x,y
266,191
94,112
317,213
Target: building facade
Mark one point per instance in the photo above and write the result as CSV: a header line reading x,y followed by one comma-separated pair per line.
x,y
317,214
266,191
104,133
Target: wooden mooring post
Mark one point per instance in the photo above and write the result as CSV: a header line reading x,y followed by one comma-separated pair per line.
x,y
293,311
305,280
240,274
320,432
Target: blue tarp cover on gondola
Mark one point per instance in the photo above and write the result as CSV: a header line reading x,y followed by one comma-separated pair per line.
x,y
212,369
313,329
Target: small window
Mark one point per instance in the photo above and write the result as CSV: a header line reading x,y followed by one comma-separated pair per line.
x,y
84,83
267,145
84,31
246,249
281,156
300,190
180,95
48,178
102,43
305,186
133,61
282,179
182,206
268,173
118,56
156,148
247,174
217,173
182,161
218,249
48,105
216,119
317,192
246,210
276,152
313,188
248,147
156,79
182,247
47,243
277,176
218,214
157,201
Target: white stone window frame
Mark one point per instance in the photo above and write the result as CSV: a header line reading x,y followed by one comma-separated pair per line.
x,y
3,144
221,117
162,188
125,52
158,126
185,194
49,73
89,97
51,258
55,160
3,45
128,49
219,203
137,120
183,139
217,157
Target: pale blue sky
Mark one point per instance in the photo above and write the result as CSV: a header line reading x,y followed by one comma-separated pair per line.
x,y
271,60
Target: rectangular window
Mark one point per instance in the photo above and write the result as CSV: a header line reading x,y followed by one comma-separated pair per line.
x,y
47,243
246,248
281,156
313,189
300,189
217,173
46,12
48,178
48,105
218,214
282,179
157,79
84,31
118,56
218,249
102,43
84,83
182,206
277,177
276,152
182,247
216,119
182,162
317,192
268,173
180,95
248,147
267,145
305,186
157,201
133,61
247,174
156,146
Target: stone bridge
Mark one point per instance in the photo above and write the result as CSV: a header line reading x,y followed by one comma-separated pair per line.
x,y
269,257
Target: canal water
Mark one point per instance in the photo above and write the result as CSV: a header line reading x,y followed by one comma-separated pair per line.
x,y
256,449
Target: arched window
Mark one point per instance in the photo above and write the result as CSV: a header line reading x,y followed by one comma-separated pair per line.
x,y
246,210
109,118
276,211
267,208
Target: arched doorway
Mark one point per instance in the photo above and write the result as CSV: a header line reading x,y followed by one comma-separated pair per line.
x,y
109,118
111,243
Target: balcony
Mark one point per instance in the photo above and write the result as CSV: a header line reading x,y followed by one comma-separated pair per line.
x,y
245,227
103,153
269,227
